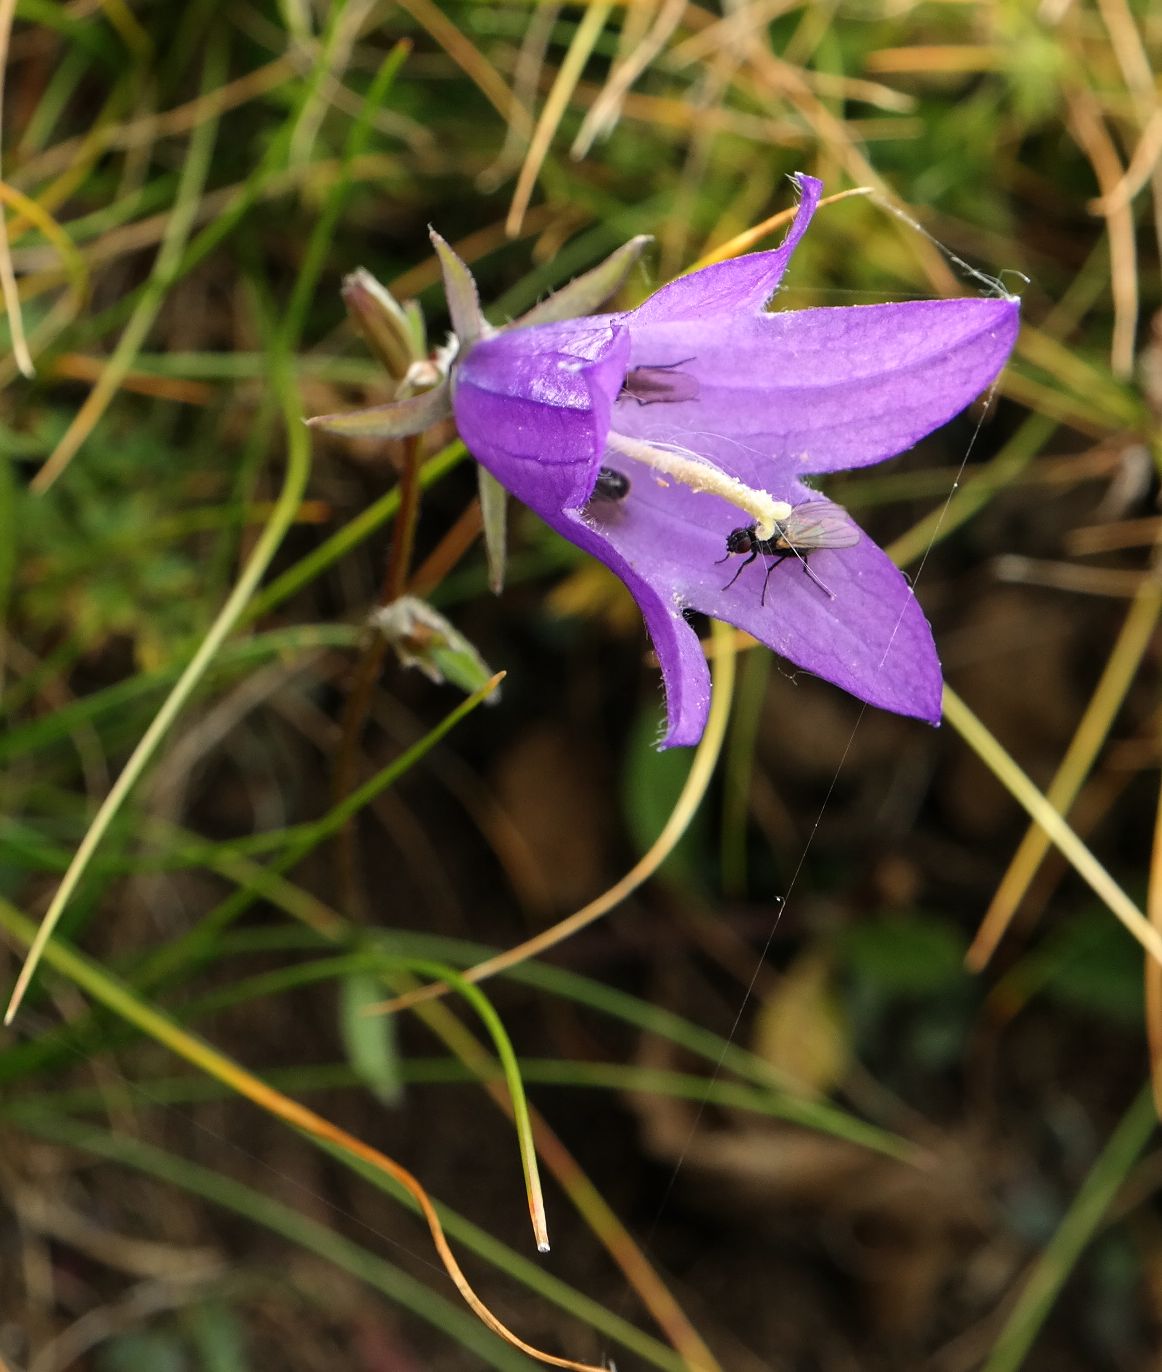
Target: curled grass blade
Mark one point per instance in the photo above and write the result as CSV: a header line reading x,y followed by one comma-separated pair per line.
x,y
282,517
117,997
512,1077
701,770
257,1208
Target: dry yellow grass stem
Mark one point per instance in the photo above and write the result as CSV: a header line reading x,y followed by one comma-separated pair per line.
x,y
1120,670
603,113
568,74
1153,972
1138,72
1021,788
463,52
1085,123
8,287
745,241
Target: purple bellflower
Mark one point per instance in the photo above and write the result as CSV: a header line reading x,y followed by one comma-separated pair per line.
x,y
673,442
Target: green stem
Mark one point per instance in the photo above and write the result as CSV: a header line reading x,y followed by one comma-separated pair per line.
x,y
282,517
1053,1267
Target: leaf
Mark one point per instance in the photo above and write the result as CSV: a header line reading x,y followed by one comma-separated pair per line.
x,y
397,420
1089,963
131,1352
468,323
653,782
370,1039
905,955
217,1334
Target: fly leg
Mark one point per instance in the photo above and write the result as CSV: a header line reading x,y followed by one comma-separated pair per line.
x,y
770,568
827,591
745,565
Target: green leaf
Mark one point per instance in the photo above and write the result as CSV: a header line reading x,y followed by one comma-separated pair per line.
x,y
652,784
1089,963
468,323
217,1334
369,1040
905,954
131,1352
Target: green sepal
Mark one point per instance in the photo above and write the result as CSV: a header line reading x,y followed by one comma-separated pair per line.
x,y
494,510
398,420
463,299
587,293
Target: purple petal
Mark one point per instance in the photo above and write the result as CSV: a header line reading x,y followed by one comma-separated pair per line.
x,y
743,283
533,405
685,675
868,636
864,632
811,391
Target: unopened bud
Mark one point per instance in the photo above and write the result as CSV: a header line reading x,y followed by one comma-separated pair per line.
x,y
393,332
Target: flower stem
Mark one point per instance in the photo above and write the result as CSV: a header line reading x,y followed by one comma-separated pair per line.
x,y
700,475
367,671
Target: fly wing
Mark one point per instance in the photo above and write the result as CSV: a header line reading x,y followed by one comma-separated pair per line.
x,y
819,524
652,385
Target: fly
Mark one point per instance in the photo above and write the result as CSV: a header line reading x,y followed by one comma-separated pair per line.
x,y
653,385
610,485
814,524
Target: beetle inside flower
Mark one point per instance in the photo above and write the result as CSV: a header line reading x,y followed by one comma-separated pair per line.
x,y
651,438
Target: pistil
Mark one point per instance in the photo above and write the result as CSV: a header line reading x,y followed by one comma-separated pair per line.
x,y
699,475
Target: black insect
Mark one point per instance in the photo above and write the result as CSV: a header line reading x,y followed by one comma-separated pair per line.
x,y
611,485
814,524
655,385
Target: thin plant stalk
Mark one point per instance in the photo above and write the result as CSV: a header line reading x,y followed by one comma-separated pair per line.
x,y
282,518
1021,788
685,808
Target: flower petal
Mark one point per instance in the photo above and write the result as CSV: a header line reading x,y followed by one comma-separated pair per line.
x,y
803,392
853,621
864,632
533,405
743,283
685,675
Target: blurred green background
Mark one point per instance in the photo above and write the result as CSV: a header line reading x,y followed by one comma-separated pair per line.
x,y
782,1123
